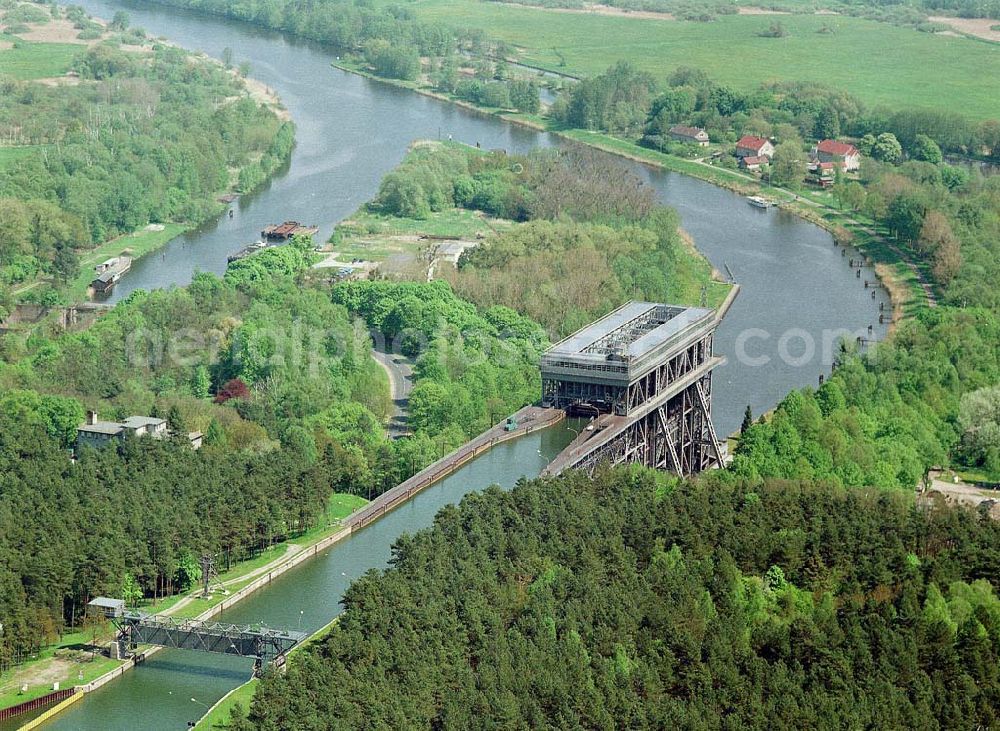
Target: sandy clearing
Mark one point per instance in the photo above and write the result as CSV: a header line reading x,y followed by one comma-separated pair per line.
x,y
4,45
41,673
599,9
59,81
979,27
55,31
753,10
263,94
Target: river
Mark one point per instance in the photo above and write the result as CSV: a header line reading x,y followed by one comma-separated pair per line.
x,y
350,132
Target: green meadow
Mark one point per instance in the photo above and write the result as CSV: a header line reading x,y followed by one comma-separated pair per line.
x,y
10,155
28,60
878,62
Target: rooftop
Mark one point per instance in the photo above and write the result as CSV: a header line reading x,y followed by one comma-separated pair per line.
x,y
751,142
683,129
836,147
135,422
101,427
632,330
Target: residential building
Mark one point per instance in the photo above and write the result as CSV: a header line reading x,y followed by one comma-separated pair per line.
x,y
750,146
823,174
690,135
754,163
843,154
96,433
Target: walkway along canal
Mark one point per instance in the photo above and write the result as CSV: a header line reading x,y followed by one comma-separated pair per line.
x,y
157,695
350,132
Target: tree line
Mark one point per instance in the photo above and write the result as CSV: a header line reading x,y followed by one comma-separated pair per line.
x,y
626,101
632,599
144,138
591,235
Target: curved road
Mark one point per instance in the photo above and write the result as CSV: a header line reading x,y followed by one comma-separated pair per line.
x,y
399,369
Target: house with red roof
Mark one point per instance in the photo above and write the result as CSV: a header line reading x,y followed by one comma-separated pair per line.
x,y
754,163
843,154
750,146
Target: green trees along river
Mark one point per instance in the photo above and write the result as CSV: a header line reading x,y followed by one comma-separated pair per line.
x,y
633,600
134,136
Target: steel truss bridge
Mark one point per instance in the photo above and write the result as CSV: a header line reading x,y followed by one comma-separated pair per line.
x,y
644,372
266,646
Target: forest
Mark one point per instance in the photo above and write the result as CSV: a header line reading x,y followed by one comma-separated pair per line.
x,y
277,373
635,600
590,233
143,138
143,511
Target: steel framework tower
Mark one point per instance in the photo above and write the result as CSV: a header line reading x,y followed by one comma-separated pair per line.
x,y
644,371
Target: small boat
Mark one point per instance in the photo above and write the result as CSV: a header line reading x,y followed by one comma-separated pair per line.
x,y
253,248
757,202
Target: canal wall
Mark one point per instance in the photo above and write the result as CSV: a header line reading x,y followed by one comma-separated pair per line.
x,y
529,419
56,709
34,704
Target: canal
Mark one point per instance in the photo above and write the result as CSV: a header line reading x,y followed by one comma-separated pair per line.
x,y
350,132
158,694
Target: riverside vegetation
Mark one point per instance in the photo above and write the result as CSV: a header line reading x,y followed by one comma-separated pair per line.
x,y
275,369
633,599
431,39
781,573
140,132
798,600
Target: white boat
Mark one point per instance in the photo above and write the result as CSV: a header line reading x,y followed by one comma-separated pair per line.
x,y
757,202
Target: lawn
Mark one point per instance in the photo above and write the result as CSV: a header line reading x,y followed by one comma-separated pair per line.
x,y
376,237
65,661
28,60
218,716
9,155
922,70
137,244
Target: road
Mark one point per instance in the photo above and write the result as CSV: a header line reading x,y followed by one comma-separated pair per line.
x,y
399,369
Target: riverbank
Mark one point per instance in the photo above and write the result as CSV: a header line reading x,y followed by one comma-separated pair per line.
x,y
41,674
529,420
62,86
907,285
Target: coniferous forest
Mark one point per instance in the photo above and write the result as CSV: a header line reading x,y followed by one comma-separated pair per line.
x,y
635,601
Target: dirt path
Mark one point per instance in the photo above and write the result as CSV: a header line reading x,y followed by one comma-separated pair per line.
x,y
978,27
600,9
961,493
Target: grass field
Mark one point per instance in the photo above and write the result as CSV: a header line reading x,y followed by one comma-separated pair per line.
x,y
138,244
64,661
374,237
36,60
922,70
9,155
